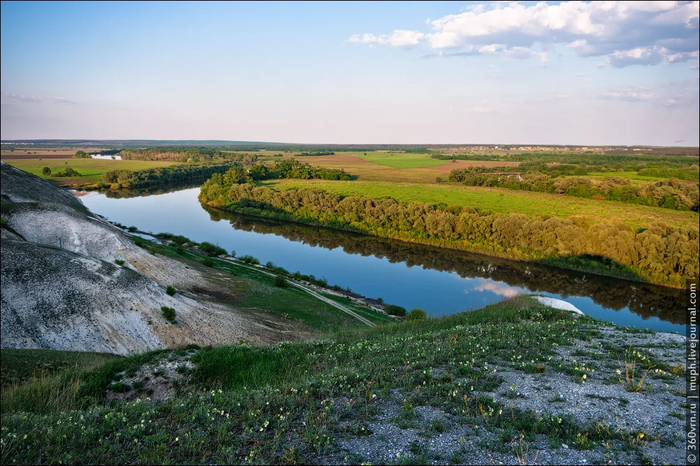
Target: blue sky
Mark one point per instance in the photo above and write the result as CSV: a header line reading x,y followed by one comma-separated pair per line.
x,y
557,73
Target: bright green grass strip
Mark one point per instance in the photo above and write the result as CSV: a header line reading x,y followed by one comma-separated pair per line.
x,y
400,160
501,201
90,169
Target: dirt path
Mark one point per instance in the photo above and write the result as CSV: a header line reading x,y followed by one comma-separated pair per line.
x,y
311,292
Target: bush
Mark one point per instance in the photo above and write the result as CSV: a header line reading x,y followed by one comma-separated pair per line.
x,y
417,314
170,290
132,229
139,243
280,281
152,250
180,251
118,261
233,253
211,249
395,310
248,259
168,313
208,262
46,171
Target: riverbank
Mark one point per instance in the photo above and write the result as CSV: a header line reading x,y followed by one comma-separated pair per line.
x,y
577,264
513,383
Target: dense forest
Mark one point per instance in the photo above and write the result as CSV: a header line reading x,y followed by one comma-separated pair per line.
x,y
661,254
646,300
186,154
155,177
289,168
671,194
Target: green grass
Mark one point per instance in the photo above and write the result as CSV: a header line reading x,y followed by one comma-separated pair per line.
x,y
289,403
401,160
90,169
22,365
257,290
630,175
501,201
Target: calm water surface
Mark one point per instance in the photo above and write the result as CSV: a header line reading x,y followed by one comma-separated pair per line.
x,y
437,280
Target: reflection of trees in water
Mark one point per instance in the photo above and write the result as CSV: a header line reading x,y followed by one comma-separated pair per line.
x,y
643,299
128,193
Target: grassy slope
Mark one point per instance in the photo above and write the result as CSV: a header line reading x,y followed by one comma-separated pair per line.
x,y
90,169
501,201
258,292
399,160
296,401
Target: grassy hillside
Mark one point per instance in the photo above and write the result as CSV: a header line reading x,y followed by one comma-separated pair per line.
x,y
514,382
91,170
499,200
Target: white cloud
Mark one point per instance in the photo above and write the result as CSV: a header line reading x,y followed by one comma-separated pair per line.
x,y
626,33
35,99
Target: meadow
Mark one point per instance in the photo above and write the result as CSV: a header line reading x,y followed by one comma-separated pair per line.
x,y
500,201
91,170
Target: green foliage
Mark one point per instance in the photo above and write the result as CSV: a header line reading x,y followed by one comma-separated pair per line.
x,y
208,262
168,313
670,194
248,259
180,251
394,310
170,290
132,229
119,262
82,155
280,281
417,314
211,249
65,173
162,176
46,171
662,253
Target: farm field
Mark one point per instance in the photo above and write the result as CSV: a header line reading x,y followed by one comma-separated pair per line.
x,y
501,201
57,152
402,160
90,169
370,170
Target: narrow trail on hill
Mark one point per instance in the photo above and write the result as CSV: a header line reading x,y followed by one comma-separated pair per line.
x,y
311,292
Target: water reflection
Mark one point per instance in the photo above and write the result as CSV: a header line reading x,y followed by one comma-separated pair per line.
x,y
441,281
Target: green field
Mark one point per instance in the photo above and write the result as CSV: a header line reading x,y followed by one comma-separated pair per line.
x,y
90,169
402,160
501,201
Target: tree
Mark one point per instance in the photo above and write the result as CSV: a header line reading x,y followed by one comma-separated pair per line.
x,y
46,171
168,313
417,314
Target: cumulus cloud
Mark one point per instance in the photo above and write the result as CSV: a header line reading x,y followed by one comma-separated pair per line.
x,y
11,97
399,38
665,94
625,33
498,288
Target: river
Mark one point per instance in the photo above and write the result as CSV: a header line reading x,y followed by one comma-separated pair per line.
x,y
438,280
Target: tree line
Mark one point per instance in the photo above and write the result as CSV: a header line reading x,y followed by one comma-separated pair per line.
x,y
670,194
647,301
661,254
186,154
156,177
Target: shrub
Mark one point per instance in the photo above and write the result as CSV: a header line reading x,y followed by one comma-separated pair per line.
x,y
211,249
152,250
168,313
280,281
248,259
138,243
395,310
170,290
208,262
417,314
180,251
233,253
46,171
118,261
132,229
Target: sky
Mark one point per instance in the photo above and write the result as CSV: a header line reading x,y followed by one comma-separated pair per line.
x,y
584,73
